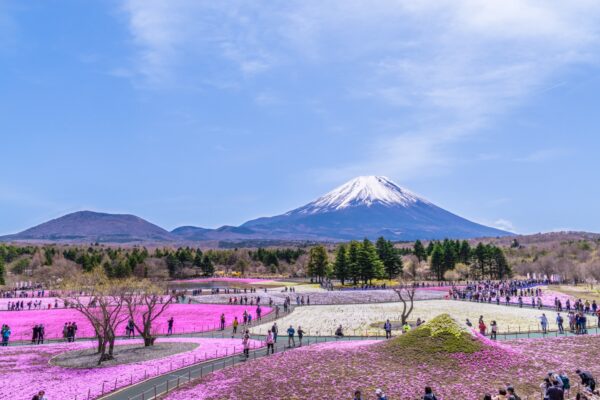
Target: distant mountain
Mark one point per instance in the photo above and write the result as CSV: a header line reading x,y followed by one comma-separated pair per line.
x,y
370,206
89,226
367,206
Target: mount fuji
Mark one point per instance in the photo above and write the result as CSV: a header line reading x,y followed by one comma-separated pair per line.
x,y
365,207
369,206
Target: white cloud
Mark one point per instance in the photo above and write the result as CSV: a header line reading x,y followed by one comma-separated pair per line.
x,y
542,155
451,67
504,224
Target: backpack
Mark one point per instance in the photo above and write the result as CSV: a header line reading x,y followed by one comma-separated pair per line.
x,y
566,382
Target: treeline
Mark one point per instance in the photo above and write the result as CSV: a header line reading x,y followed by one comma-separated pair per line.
x,y
485,261
357,262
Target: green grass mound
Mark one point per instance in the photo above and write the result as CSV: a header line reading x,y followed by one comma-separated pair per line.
x,y
440,335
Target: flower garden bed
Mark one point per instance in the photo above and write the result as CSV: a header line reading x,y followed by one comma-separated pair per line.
x,y
357,319
26,369
187,318
325,297
456,365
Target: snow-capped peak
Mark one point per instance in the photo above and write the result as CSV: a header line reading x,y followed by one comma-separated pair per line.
x,y
363,190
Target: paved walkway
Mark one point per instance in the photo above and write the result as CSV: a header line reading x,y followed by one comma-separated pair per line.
x,y
160,385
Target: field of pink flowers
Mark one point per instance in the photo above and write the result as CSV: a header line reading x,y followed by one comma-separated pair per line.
x,y
336,370
187,318
25,369
224,279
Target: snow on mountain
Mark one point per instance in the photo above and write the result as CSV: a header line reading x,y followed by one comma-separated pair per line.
x,y
363,190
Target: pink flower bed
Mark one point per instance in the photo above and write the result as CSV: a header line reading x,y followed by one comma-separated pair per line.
x,y
25,369
187,318
224,279
336,370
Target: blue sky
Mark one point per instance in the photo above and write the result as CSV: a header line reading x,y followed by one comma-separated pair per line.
x,y
209,113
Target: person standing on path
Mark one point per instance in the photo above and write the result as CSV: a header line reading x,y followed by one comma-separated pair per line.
x,y
300,335
275,330
235,326
170,326
34,334
494,330
544,323
41,332
559,322
258,312
246,343
5,335
270,343
291,331
222,321
388,329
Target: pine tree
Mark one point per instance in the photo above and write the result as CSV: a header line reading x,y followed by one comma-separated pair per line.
x,y
450,256
464,253
353,267
207,266
340,267
318,263
389,256
369,264
480,255
437,260
430,247
419,251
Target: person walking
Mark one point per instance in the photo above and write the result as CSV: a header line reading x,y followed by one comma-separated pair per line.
x,y
291,332
246,344
559,322
235,325
275,330
170,326
222,319
270,343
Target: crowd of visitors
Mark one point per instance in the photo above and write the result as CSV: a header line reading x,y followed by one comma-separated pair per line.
x,y
555,386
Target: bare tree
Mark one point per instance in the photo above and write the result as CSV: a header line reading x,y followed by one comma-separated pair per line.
x,y
146,302
407,296
101,301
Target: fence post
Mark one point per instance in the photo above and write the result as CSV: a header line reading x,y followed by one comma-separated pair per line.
x,y
103,387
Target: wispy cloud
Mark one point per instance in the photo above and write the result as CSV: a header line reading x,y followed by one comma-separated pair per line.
x,y
542,155
446,69
505,225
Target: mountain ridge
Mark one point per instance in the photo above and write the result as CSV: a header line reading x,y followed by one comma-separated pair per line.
x,y
366,206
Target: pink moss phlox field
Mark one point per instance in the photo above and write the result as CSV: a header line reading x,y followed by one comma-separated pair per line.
x,y
224,279
25,369
187,318
335,370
